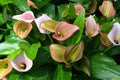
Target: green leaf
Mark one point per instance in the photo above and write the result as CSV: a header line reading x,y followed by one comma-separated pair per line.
x,y
41,3
22,5
104,67
1,36
71,11
79,21
30,50
115,79
106,27
6,15
2,21
40,73
3,2
49,9
60,10
81,1
62,74
113,51
14,54
42,57
10,45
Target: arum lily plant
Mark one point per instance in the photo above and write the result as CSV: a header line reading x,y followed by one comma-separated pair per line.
x,y
59,40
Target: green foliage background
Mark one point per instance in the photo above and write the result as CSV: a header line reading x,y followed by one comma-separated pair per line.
x,y
102,65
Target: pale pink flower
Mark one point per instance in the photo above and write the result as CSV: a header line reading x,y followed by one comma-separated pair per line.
x,y
22,29
78,9
114,34
64,30
107,9
22,63
91,27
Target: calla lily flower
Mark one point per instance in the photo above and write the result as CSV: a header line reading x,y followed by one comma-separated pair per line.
x,y
78,9
92,7
83,65
57,52
5,67
107,9
114,34
28,16
68,54
92,28
22,29
64,30
32,4
22,63
39,21
104,39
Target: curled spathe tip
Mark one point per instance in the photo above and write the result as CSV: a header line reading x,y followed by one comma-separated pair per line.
x,y
27,16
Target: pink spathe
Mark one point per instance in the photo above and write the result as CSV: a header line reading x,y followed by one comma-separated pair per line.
x,y
91,27
107,9
64,30
28,16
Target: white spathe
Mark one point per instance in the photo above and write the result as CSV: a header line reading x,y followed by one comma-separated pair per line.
x,y
114,34
41,19
22,58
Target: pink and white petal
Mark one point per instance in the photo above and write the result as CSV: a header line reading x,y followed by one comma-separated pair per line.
x,y
114,33
22,58
64,30
91,27
28,16
39,20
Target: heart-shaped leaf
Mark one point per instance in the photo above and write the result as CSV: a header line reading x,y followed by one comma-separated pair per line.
x,y
104,67
30,50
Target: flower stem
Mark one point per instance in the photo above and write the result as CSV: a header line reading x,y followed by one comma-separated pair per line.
x,y
51,40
